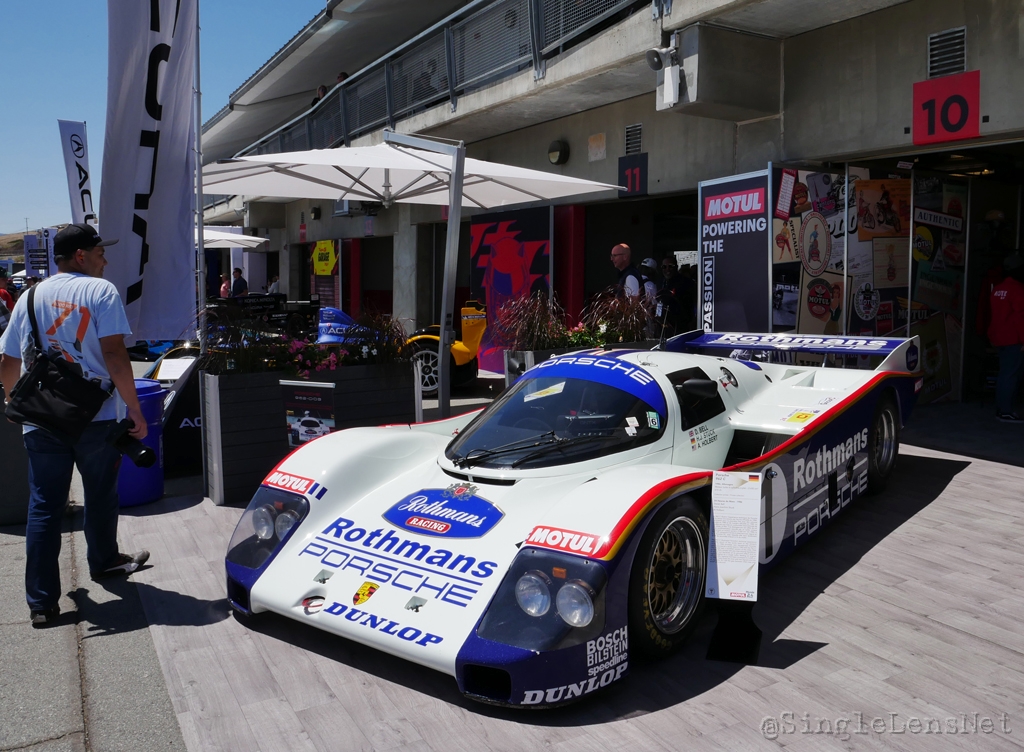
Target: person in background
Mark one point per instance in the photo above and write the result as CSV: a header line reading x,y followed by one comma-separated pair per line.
x,y
239,287
649,275
629,282
1006,333
275,285
321,92
85,324
342,76
7,291
225,286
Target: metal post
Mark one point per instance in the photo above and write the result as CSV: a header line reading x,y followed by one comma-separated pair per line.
x,y
457,152
848,300
343,109
967,268
389,94
200,247
910,258
537,39
449,57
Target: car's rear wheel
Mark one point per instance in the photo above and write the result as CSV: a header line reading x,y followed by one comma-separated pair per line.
x,y
883,444
666,588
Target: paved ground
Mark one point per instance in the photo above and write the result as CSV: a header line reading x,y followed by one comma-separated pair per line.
x,y
909,604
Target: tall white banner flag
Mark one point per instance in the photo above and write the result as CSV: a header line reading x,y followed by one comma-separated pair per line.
x,y
147,197
76,163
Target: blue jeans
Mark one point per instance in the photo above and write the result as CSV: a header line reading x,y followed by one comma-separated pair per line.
x,y
50,464
1011,358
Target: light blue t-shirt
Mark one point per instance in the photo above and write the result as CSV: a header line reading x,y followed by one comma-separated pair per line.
x,y
73,311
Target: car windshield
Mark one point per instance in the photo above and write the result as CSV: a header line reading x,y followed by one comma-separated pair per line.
x,y
310,423
555,420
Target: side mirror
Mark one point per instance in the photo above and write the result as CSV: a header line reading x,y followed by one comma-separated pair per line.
x,y
700,388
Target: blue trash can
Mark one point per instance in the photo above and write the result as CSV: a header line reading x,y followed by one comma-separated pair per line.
x,y
141,485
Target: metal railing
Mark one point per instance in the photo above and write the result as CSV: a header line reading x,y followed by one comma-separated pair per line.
x,y
482,43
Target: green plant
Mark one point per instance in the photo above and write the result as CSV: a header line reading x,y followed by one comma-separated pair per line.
x,y
536,322
612,317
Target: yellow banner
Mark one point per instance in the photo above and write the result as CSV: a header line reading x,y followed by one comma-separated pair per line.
x,y
324,258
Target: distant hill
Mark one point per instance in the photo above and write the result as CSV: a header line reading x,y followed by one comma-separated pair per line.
x,y
12,244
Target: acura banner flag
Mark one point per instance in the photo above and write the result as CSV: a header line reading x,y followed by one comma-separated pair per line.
x,y
734,256
76,163
147,197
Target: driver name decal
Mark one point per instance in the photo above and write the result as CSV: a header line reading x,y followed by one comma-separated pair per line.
x,y
454,512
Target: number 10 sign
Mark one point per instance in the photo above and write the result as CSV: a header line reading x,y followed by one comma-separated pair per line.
x,y
947,108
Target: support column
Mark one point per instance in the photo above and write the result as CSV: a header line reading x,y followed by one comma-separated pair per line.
x,y
570,252
405,287
351,270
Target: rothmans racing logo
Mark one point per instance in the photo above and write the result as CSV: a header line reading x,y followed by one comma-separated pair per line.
x,y
455,512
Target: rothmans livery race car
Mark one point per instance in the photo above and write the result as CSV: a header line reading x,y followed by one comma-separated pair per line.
x,y
529,550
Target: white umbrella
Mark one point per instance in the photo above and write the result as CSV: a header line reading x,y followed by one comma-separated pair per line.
x,y
219,239
412,169
387,173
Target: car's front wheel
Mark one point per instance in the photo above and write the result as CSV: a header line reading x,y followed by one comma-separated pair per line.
x,y
883,444
666,587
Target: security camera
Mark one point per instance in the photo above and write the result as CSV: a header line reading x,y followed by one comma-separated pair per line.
x,y
660,58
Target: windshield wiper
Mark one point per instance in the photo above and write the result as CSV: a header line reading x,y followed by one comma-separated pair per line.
x,y
558,444
475,456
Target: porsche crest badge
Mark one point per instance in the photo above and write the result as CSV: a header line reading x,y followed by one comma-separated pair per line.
x,y
362,595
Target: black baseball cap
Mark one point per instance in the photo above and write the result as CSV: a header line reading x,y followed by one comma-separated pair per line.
x,y
77,237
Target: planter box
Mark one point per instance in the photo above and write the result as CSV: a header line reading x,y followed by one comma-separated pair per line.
x,y
245,431
14,471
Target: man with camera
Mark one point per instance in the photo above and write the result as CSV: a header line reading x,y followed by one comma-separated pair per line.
x,y
78,318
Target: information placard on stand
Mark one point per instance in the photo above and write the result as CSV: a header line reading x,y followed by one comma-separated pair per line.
x,y
735,536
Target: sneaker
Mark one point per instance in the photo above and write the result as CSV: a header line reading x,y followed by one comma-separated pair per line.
x,y
125,564
1010,418
45,616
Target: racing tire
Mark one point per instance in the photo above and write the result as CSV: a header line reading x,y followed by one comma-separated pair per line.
x,y
883,444
666,583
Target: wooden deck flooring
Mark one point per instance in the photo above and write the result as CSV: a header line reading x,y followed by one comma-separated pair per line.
x,y
908,607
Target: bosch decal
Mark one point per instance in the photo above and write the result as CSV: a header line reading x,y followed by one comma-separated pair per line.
x,y
381,624
607,651
565,540
454,512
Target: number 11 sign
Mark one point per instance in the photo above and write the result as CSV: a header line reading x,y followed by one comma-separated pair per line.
x,y
633,175
947,108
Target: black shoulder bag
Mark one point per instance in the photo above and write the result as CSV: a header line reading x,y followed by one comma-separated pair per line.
x,y
50,394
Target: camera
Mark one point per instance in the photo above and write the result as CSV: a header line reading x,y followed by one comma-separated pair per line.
x,y
135,450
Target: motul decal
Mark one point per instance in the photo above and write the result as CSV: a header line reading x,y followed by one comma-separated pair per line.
x,y
568,541
287,482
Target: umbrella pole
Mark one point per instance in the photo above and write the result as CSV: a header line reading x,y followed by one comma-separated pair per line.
x,y
457,151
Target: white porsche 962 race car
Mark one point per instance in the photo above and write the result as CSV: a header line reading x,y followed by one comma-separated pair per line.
x,y
530,548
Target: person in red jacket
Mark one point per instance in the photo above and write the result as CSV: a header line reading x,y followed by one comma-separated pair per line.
x,y
1006,333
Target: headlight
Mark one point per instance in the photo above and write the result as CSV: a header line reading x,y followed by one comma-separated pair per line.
x,y
575,604
270,518
263,522
533,594
285,522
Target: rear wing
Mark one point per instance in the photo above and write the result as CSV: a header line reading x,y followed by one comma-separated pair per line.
x,y
898,354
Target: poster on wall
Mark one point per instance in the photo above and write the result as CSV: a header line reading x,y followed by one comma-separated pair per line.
x,y
891,262
510,257
822,303
883,208
934,358
309,410
954,244
735,238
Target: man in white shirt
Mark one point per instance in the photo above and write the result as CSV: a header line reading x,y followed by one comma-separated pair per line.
x,y
81,317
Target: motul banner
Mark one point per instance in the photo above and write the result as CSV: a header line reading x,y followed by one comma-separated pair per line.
x,y
76,163
148,194
734,254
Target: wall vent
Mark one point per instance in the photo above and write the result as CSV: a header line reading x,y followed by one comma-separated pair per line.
x,y
634,138
947,52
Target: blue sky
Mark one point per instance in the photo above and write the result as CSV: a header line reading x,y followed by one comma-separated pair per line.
x,y
53,65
